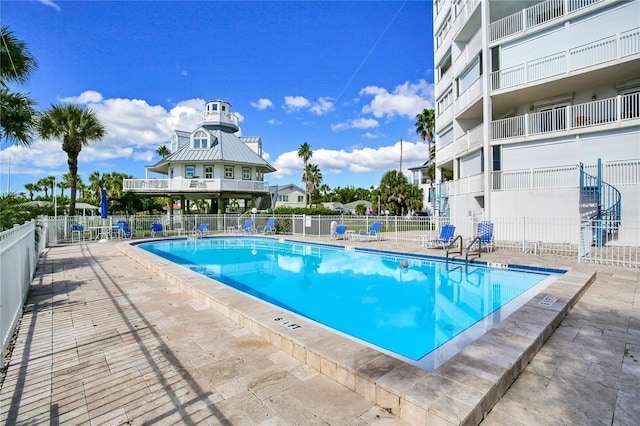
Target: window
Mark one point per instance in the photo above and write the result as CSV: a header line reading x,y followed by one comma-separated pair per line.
x,y
214,107
259,176
189,171
283,198
228,172
200,139
246,173
208,172
445,101
301,198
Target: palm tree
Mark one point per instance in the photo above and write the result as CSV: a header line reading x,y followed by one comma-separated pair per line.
x,y
313,178
17,112
305,153
45,184
394,191
163,151
76,127
425,127
31,188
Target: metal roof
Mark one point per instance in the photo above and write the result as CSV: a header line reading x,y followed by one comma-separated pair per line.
x,y
227,147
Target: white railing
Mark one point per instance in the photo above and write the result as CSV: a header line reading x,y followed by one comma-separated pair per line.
x,y
469,185
473,93
595,113
193,185
470,139
614,173
534,16
219,117
596,53
19,251
469,53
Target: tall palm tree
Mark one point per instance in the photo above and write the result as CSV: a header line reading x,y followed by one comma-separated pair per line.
x,y
76,127
163,151
17,111
46,183
305,153
313,178
425,127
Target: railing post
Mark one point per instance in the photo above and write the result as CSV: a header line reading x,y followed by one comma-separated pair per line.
x,y
524,19
526,124
618,108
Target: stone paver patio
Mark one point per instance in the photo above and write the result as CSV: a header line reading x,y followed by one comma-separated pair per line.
x,y
105,341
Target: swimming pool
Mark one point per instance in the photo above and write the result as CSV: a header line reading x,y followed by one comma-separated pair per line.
x,y
412,311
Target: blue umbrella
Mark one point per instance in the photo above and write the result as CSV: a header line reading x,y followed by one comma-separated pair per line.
x,y
103,204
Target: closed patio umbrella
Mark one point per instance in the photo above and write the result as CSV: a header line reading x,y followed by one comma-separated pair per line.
x,y
103,205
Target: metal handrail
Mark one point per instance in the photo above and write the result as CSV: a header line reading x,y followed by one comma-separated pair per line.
x,y
459,237
466,258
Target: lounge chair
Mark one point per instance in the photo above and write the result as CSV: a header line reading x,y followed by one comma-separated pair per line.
x,y
77,231
485,235
373,232
248,226
270,226
157,228
446,236
122,230
201,230
340,233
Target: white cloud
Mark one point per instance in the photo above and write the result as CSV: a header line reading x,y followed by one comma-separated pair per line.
x,y
50,4
262,103
322,106
359,160
358,123
296,103
406,99
87,97
274,121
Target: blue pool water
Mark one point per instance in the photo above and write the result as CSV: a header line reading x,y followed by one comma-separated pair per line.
x,y
409,309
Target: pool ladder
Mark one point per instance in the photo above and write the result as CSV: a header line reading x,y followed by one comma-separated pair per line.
x,y
466,257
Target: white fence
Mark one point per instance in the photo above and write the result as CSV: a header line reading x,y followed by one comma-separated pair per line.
x,y
19,251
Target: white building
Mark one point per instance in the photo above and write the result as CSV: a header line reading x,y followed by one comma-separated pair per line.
x,y
526,92
210,162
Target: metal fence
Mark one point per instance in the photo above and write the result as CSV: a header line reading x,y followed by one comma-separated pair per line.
x,y
619,246
20,245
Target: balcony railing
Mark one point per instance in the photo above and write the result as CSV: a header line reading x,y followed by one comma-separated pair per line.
x,y
219,117
598,52
596,113
615,172
163,186
536,15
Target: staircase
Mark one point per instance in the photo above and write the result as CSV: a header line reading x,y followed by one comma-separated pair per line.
x,y
441,199
603,203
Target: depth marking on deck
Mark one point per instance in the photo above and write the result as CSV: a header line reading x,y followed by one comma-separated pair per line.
x,y
548,301
286,323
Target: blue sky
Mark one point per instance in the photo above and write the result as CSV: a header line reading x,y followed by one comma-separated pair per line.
x,y
346,77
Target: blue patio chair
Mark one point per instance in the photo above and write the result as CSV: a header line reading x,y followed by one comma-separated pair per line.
x,y
446,236
125,231
485,234
77,231
373,232
340,233
248,226
157,228
202,229
270,226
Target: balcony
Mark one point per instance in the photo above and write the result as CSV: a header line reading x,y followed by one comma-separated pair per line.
x,y
612,48
534,16
162,187
609,111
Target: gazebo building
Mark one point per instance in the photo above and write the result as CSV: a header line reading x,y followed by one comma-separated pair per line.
x,y
209,163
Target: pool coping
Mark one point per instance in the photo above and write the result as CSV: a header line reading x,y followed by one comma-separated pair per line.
x,y
460,391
